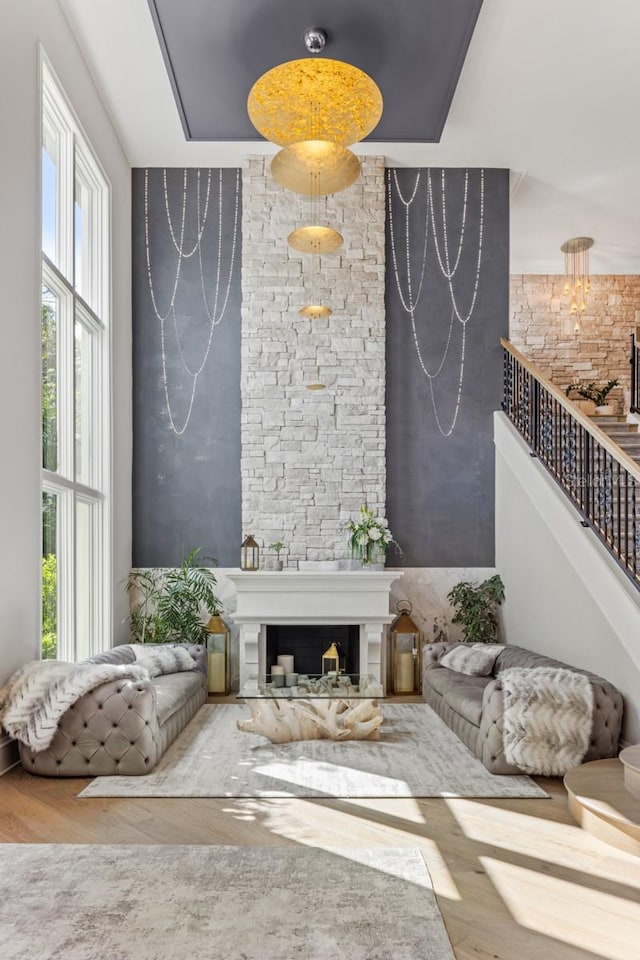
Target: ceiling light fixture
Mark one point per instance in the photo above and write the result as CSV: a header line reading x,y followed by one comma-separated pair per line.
x,y
315,168
315,239
576,268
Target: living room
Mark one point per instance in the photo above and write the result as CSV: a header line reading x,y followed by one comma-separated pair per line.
x,y
391,384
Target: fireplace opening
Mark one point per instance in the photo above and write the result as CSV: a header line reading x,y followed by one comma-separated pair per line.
x,y
307,644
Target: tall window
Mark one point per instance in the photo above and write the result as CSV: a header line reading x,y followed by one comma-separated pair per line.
x,y
75,398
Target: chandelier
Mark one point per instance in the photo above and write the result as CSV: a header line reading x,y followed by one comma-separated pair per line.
x,y
314,109
577,281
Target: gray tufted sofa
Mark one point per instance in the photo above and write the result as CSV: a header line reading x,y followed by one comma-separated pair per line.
x,y
472,706
122,727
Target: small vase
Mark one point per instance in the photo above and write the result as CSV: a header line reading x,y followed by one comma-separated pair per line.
x,y
372,556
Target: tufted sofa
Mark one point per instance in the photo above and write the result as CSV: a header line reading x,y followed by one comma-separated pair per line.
x,y
122,727
472,706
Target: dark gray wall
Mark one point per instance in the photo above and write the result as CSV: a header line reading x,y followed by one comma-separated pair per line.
x,y
186,489
440,490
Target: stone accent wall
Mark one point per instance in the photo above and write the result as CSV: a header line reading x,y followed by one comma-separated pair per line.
x,y
541,328
310,458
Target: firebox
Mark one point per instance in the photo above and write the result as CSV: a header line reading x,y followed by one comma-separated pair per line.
x,y
307,643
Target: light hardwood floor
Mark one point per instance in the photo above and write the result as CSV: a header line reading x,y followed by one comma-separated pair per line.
x,y
515,879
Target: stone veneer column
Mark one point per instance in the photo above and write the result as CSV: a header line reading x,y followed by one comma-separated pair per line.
x,y
309,459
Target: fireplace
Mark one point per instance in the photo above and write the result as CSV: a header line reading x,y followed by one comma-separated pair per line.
x,y
308,642
355,602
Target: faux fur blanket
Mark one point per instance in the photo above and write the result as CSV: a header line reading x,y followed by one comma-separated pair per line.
x,y
37,695
547,719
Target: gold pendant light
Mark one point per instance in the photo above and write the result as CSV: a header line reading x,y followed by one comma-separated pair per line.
x,y
577,283
318,99
315,311
315,168
315,239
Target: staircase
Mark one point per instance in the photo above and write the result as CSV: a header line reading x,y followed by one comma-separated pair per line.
x,y
625,435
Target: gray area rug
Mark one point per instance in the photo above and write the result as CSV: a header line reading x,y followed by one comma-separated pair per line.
x,y
417,756
85,902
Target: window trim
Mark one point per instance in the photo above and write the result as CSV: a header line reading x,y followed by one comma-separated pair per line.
x,y
78,157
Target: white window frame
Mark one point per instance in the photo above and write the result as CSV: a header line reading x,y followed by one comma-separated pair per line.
x,y
77,160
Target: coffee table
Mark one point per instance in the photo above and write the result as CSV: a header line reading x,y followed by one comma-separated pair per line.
x,y
329,707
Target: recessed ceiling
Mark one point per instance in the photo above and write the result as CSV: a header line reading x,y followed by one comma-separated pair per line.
x,y
548,89
413,49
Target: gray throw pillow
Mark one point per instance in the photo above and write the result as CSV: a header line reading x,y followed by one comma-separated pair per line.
x,y
163,660
475,660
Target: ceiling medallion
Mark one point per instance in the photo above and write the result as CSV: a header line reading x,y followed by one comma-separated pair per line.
x,y
314,99
315,311
315,168
315,239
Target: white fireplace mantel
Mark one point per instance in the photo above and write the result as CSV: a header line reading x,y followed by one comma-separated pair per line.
x,y
312,597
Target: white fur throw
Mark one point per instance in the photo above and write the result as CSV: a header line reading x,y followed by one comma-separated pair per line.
x,y
547,719
161,660
475,660
38,694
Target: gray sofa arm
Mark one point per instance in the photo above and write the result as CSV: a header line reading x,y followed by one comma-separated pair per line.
x,y
112,729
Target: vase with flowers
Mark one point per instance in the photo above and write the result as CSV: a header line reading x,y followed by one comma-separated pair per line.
x,y
369,537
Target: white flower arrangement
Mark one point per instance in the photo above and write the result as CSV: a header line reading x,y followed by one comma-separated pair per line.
x,y
369,536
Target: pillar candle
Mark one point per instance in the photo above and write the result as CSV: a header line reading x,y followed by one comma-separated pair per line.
x,y
404,675
286,661
217,673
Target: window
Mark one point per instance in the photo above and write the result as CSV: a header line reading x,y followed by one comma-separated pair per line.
x,y
75,399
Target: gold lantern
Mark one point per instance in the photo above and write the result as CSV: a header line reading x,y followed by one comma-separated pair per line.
x,y
331,660
405,652
218,655
249,554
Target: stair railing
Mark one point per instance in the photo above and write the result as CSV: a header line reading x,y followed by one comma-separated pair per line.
x,y
599,478
634,360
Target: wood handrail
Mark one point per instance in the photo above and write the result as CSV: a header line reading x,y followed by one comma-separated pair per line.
x,y
602,438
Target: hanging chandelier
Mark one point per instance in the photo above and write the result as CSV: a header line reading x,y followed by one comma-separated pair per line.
x,y
577,281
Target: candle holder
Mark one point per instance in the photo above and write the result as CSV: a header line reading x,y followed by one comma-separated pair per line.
x,y
406,676
218,655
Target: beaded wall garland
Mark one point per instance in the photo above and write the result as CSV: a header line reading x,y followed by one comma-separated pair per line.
x,y
213,313
408,301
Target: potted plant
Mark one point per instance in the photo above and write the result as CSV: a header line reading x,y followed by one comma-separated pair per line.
x,y
277,548
369,537
596,397
173,606
582,402
475,608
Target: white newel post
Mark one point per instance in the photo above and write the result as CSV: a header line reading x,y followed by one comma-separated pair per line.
x,y
309,598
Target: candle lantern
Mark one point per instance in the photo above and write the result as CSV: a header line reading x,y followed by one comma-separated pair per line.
x,y
331,660
249,554
218,655
405,652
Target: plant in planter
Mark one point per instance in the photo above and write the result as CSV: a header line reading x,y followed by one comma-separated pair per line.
x,y
173,606
277,548
475,606
596,395
369,537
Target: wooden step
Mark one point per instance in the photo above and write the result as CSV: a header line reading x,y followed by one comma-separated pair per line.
x,y
610,421
602,805
630,760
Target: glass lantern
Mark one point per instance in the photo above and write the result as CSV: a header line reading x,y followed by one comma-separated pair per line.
x,y
331,660
218,655
250,554
405,652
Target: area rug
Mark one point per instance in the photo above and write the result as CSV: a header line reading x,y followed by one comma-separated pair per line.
x,y
417,756
86,902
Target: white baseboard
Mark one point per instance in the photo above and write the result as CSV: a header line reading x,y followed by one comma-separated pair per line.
x,y
8,754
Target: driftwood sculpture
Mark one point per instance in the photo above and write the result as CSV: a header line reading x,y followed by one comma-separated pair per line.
x,y
283,721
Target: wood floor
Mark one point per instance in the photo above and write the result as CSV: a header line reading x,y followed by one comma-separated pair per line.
x,y
515,879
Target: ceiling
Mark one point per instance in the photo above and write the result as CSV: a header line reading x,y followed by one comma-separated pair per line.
x,y
224,47
550,90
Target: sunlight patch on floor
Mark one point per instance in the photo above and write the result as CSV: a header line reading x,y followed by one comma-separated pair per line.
x,y
598,922
523,833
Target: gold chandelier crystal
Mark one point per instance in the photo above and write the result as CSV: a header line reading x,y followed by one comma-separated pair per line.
x,y
317,99
315,239
315,168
